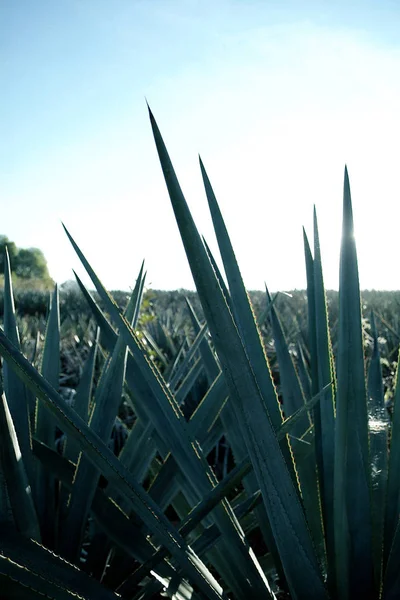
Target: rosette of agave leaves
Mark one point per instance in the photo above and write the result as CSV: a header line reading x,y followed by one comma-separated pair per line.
x,y
318,481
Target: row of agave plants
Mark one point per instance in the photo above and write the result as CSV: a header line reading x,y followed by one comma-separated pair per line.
x,y
317,476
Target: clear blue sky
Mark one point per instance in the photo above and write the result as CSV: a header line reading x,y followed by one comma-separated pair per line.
x,y
276,97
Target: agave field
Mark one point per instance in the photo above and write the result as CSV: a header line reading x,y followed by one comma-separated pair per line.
x,y
235,446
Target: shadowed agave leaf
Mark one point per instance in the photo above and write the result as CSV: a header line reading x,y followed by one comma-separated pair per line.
x,y
293,400
352,508
18,397
45,429
392,506
233,559
286,516
29,570
106,403
378,430
325,411
108,464
13,468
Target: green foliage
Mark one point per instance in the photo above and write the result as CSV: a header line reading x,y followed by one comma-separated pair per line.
x,y
305,504
26,263
12,252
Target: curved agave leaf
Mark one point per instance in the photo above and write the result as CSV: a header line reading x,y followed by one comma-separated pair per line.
x,y
230,426
293,400
304,376
286,515
392,506
13,469
18,397
378,437
108,335
391,588
26,565
82,397
106,402
108,464
241,569
325,422
45,429
352,508
124,532
244,316
173,382
218,275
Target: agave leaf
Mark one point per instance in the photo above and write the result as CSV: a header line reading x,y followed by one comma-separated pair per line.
x,y
174,588
164,487
289,423
218,275
26,565
17,395
140,393
230,427
13,468
378,437
312,334
210,363
82,397
392,505
352,508
6,514
139,450
325,422
170,373
286,516
227,425
209,409
209,536
265,313
222,489
139,298
293,397
156,348
134,378
108,464
161,408
293,400
45,429
304,376
124,532
107,400
108,335
189,382
173,382
240,307
391,588
244,316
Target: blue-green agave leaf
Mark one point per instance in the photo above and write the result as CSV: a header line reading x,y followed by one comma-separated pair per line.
x,y
352,485
392,504
109,465
325,422
378,439
286,515
13,468
18,397
45,429
162,409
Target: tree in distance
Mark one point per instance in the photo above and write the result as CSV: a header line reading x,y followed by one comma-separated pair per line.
x,y
26,263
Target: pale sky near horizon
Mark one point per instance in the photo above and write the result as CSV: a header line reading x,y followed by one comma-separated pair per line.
x,y
275,96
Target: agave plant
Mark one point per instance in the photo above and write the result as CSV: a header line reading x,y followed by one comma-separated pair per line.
x,y
316,476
